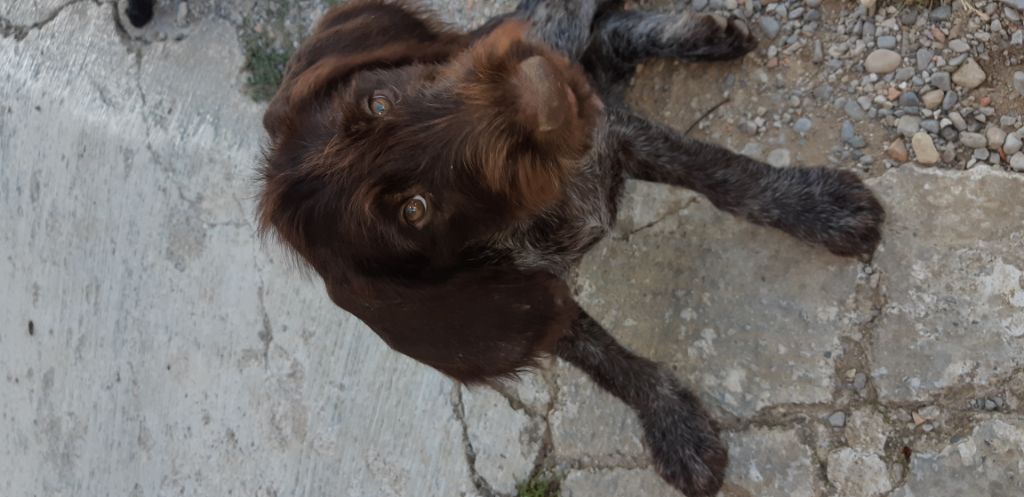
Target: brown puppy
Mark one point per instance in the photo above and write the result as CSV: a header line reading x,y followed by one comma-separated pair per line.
x,y
445,184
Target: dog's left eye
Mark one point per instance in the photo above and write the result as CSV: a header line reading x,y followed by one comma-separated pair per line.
x,y
380,105
415,210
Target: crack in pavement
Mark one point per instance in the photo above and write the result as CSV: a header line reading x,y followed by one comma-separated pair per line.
x,y
459,408
9,29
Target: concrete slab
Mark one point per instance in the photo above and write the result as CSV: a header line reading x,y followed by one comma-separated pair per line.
x,y
952,262
749,315
148,336
151,345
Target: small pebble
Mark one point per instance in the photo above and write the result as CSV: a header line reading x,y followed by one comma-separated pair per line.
x,y
959,46
909,99
970,75
897,151
940,13
1018,80
924,58
973,140
769,26
1017,162
904,74
933,99
940,80
779,157
802,125
950,100
861,380
908,17
886,41
924,149
995,136
958,121
1012,144
846,131
931,413
837,419
1017,4
823,92
853,110
908,125
882,61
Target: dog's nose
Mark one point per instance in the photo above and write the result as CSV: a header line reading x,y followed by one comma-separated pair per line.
x,y
545,101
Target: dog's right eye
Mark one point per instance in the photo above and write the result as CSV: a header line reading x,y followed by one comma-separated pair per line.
x,y
379,105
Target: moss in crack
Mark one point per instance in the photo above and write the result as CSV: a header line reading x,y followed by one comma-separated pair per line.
x,y
265,61
540,485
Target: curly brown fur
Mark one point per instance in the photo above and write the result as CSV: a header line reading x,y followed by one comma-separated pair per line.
x,y
445,184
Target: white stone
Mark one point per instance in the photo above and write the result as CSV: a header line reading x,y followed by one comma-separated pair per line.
x,y
867,431
1017,162
780,157
995,136
882,61
970,75
924,149
1012,144
857,473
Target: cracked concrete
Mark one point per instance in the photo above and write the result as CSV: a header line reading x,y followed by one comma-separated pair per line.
x,y
151,339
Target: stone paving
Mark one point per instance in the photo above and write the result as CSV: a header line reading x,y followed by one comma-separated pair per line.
x,y
151,345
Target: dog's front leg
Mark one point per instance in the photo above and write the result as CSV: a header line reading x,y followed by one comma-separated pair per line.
x,y
826,206
682,438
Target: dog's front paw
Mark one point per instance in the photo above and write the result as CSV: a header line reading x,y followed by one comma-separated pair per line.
x,y
712,37
684,444
849,217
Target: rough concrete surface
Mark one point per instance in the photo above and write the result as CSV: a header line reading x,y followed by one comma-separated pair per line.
x,y
150,344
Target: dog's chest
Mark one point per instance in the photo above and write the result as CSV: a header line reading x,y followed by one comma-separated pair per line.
x,y
558,240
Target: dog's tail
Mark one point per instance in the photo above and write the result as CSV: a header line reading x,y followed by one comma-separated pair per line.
x,y
682,438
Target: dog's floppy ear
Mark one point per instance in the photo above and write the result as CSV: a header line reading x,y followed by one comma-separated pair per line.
x,y
476,325
361,35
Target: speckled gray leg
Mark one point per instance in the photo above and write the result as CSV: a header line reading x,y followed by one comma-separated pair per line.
x,y
561,24
622,39
820,205
682,437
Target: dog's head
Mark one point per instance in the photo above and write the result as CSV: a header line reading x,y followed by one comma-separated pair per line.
x,y
396,149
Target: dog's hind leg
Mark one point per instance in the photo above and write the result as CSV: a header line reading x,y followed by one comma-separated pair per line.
x,y
622,39
564,25
820,205
633,36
